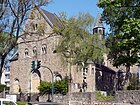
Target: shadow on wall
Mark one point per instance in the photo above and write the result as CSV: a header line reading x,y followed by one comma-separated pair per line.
x,y
108,80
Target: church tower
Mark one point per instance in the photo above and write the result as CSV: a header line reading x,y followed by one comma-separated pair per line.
x,y
98,26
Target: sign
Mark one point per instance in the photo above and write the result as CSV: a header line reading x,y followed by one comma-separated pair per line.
x,y
12,97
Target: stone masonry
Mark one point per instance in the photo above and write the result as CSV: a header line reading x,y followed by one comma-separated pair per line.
x,y
38,42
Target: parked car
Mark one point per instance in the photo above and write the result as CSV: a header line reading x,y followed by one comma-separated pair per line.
x,y
4,101
43,103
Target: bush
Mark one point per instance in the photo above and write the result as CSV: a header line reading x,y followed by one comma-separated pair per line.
x,y
134,83
2,87
21,103
101,97
59,87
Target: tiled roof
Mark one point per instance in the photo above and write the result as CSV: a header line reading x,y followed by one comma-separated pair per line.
x,y
53,18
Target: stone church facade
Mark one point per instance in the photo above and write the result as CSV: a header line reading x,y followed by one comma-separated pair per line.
x,y
38,42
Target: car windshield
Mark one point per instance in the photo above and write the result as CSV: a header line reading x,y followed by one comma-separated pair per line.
x,y
8,103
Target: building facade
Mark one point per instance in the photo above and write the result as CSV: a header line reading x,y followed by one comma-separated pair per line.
x,y
38,42
5,79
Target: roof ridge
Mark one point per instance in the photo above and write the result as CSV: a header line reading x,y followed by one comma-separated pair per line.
x,y
51,18
44,15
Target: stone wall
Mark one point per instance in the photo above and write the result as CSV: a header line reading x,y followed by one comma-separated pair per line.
x,y
129,96
73,99
21,69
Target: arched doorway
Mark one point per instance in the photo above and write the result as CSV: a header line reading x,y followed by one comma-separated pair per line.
x,y
35,82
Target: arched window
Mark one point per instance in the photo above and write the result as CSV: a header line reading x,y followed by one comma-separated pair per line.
x,y
26,52
58,76
100,32
44,49
16,80
35,50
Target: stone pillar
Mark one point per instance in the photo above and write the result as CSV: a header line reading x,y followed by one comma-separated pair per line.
x,y
91,78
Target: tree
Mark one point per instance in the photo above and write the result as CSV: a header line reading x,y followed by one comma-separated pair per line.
x,y
77,45
13,14
123,17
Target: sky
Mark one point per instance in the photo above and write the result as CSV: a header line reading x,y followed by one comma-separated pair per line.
x,y
74,7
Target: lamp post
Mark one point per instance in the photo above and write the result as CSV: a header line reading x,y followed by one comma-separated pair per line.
x,y
52,81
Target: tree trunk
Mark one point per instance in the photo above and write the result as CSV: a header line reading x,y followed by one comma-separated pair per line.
x,y
127,72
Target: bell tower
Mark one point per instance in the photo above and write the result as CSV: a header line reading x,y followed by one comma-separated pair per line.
x,y
98,26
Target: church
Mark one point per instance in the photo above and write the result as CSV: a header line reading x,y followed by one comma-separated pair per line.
x,y
38,42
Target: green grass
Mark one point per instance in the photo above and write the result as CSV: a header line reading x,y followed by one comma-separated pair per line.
x,y
101,97
21,103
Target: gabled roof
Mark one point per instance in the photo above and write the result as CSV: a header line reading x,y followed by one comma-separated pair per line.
x,y
98,22
104,68
52,17
14,57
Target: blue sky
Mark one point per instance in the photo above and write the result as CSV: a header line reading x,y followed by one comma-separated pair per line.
x,y
74,7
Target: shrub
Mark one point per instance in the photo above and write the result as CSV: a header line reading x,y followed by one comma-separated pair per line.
x,y
59,87
21,103
2,87
101,97
133,84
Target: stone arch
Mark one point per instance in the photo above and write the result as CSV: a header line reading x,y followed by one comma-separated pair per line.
x,y
16,86
35,82
26,52
44,49
58,76
34,50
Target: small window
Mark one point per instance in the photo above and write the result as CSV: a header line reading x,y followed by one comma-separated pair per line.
x,y
100,32
44,49
35,50
7,76
95,31
36,26
16,80
26,52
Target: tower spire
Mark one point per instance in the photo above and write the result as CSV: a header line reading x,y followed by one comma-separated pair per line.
x,y
98,25
98,22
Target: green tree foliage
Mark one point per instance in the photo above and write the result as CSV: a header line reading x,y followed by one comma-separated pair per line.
x,y
123,16
60,87
13,14
101,97
77,45
45,87
3,87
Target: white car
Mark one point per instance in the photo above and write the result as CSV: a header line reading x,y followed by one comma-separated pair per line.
x,y
4,101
